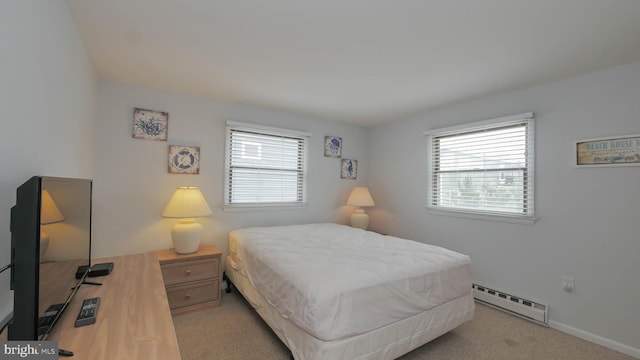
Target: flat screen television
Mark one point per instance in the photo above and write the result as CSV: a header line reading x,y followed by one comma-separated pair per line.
x,y
50,251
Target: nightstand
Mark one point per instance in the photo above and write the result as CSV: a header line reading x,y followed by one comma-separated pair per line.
x,y
192,281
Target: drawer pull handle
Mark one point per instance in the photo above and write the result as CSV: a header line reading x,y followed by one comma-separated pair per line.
x,y
188,272
187,296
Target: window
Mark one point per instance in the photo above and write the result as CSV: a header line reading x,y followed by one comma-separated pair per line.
x,y
264,166
483,168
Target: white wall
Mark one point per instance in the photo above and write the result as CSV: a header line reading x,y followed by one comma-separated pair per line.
x,y
132,184
589,218
588,225
47,100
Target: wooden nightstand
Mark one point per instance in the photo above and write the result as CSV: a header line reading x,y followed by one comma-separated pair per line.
x,y
192,281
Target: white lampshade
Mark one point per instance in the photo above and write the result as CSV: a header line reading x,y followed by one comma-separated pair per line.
x,y
186,203
49,214
360,197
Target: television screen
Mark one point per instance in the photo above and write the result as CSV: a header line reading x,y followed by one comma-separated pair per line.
x,y
51,241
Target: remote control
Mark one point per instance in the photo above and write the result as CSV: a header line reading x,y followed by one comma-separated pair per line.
x,y
87,314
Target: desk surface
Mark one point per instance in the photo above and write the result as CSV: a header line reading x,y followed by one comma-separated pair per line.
x,y
133,320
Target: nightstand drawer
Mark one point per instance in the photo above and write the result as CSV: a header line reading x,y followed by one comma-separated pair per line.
x,y
181,272
193,293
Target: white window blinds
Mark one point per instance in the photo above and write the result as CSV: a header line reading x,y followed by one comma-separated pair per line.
x,y
265,166
484,167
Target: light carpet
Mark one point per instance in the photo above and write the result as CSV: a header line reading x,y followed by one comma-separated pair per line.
x,y
233,331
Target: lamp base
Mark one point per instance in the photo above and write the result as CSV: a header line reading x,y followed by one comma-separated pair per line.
x,y
359,219
186,236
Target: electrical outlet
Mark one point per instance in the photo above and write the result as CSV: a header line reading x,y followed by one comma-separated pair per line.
x,y
568,283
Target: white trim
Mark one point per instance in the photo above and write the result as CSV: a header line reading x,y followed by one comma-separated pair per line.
x,y
478,124
599,340
483,216
267,129
463,129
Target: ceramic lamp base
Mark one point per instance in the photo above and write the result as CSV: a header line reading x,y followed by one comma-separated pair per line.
x,y
359,219
186,236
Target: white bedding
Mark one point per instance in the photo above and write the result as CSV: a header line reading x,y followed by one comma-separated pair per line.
x,y
335,281
385,343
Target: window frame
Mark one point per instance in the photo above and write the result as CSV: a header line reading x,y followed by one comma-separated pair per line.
x,y
528,214
267,131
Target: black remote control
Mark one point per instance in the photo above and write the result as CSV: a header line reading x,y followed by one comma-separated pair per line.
x,y
87,314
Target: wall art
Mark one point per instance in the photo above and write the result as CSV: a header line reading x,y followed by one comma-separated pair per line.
x,y
611,151
150,124
184,159
349,169
333,146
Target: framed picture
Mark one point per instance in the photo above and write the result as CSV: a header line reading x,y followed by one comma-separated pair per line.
x,y
610,151
184,159
150,124
332,146
349,169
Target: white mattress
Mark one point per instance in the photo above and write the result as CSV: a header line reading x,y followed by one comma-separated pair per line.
x,y
335,281
387,342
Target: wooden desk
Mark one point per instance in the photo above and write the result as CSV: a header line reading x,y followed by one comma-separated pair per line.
x,y
133,320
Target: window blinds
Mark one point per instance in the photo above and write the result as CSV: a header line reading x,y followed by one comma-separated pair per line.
x,y
483,168
265,166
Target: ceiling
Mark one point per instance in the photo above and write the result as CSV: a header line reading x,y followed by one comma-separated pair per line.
x,y
363,62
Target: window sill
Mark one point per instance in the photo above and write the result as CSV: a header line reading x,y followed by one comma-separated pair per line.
x,y
483,217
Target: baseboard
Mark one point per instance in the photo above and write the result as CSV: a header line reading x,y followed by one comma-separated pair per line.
x,y
625,349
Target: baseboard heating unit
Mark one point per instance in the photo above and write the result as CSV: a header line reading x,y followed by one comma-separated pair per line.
x,y
515,305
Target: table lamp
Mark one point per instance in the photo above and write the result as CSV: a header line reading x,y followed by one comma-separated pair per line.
x,y
49,214
186,204
360,197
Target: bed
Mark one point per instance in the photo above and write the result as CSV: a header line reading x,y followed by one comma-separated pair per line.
x,y
330,291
